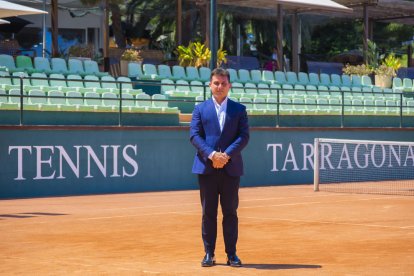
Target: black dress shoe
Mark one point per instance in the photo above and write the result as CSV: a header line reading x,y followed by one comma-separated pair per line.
x,y
208,260
234,261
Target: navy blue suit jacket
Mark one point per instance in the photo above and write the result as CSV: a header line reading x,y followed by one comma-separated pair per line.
x,y
206,136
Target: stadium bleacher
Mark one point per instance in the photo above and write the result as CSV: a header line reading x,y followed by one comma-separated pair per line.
x,y
76,85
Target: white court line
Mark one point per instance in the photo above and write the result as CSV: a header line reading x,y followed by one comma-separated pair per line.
x,y
330,222
315,202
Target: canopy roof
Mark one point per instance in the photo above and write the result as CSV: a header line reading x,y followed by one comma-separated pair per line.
x,y
11,9
298,5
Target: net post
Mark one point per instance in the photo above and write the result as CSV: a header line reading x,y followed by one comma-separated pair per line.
x,y
316,165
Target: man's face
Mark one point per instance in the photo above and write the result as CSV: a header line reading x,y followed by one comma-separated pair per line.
x,y
220,87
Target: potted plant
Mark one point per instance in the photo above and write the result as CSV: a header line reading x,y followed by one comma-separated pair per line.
x,y
129,55
386,71
359,70
198,55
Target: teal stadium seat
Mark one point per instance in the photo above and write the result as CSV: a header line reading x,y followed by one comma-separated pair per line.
x,y
42,65
135,70
109,83
7,61
280,77
244,76
92,68
192,73
59,66
179,72
303,78
314,79
76,67
164,72
292,78
205,73
256,76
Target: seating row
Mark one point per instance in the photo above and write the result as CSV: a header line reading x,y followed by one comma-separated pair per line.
x,y
90,83
54,65
328,106
153,72
403,85
74,100
169,87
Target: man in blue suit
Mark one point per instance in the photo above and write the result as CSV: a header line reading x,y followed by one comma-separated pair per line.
x,y
219,131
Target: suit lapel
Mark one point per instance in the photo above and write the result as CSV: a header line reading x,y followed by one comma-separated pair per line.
x,y
213,116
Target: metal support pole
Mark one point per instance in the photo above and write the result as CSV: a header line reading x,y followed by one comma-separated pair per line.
x,y
213,34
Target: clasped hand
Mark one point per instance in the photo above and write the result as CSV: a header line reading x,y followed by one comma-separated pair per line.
x,y
220,159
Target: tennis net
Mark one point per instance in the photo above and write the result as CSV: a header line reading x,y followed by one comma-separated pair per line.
x,y
362,166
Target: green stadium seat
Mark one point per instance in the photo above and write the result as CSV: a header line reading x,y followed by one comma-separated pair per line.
x,y
369,106
93,100
287,90
275,88
127,86
380,107
58,82
285,105
298,105
93,82
3,97
37,99
159,102
167,86
260,104
109,83
150,71
263,89
24,63
323,91
56,98
250,88
40,81
300,90
397,84
392,107
75,83
311,106
14,97
74,99
335,105
237,88
110,100
197,87
409,107
311,91
357,106
407,85
323,106
144,101
182,88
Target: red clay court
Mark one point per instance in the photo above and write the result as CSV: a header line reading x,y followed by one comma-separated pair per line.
x,y
285,230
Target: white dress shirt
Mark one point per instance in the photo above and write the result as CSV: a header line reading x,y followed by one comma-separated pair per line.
x,y
221,116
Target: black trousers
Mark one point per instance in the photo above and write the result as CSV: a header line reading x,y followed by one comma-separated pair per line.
x,y
214,187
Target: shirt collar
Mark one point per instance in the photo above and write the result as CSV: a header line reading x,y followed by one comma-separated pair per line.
x,y
223,104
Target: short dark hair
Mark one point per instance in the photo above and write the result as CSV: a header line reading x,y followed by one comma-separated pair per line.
x,y
220,72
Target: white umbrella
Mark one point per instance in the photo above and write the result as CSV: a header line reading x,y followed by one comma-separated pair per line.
x,y
11,9
4,21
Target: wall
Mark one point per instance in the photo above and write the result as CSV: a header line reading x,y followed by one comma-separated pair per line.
x,y
51,161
